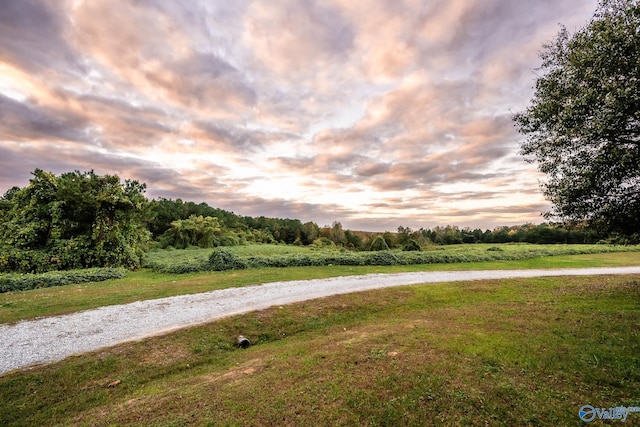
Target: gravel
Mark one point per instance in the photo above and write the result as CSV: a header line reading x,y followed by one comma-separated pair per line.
x,y
50,339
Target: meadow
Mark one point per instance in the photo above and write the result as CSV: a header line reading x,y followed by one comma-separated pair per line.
x,y
260,256
151,283
507,352
495,352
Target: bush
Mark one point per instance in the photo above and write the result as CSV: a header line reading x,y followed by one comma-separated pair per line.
x,y
379,244
382,258
226,240
411,245
225,259
23,282
24,261
222,259
323,242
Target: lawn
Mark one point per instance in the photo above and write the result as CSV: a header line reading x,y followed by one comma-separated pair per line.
x,y
498,352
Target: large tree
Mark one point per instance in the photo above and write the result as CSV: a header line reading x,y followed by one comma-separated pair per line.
x,y
74,220
583,125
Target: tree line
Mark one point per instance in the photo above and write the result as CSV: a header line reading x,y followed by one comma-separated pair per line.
x,y
582,128
83,220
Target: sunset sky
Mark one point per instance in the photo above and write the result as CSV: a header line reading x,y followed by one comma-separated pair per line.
x,y
373,113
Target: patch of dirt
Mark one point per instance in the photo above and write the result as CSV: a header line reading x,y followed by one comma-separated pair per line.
x,y
236,373
165,356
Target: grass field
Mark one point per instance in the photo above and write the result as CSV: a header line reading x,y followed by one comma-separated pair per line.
x,y
502,352
146,284
259,256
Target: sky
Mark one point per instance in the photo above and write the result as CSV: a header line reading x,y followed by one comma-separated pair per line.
x,y
374,113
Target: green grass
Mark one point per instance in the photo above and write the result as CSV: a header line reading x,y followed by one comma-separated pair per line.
x,y
197,255
498,352
23,282
259,256
146,284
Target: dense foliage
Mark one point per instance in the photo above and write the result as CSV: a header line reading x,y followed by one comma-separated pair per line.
x,y
82,220
222,259
379,244
194,231
75,220
22,282
280,257
234,229
583,125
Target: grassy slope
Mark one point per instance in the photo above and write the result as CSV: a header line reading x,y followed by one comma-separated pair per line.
x,y
507,352
145,284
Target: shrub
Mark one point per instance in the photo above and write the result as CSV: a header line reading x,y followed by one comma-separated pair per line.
x,y
222,259
379,244
24,260
23,282
323,242
411,245
226,240
382,258
225,259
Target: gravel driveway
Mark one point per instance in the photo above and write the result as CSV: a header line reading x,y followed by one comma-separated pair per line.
x,y
50,339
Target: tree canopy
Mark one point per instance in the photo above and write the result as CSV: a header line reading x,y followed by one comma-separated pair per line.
x,y
583,124
74,220
79,220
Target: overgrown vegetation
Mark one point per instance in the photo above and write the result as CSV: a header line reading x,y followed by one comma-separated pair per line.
x,y
75,220
287,256
145,284
81,220
222,259
508,352
23,282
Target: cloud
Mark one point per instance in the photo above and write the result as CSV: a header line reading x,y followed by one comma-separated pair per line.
x,y
372,169
310,36
203,81
161,60
374,113
33,36
235,138
30,121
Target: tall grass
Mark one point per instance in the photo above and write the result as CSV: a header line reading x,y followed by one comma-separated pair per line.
x,y
260,256
22,282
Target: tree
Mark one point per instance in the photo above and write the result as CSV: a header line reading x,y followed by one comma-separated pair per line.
x,y
412,245
5,201
353,240
404,235
336,233
310,232
583,124
73,220
379,244
193,231
391,239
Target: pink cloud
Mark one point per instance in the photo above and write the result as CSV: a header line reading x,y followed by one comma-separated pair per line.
x,y
369,112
